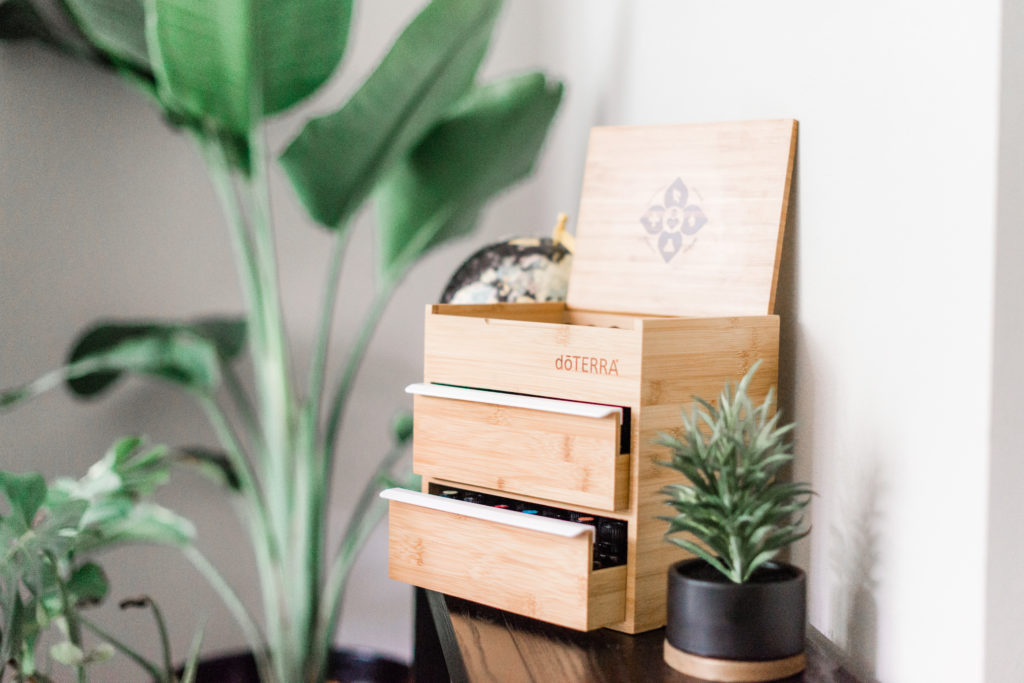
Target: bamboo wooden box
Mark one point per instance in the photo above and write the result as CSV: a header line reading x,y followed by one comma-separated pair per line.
x,y
555,406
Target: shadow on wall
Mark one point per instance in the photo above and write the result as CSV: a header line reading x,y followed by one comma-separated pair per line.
x,y
854,542
786,307
786,298
853,560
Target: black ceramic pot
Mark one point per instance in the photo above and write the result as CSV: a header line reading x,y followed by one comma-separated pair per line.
x,y
713,621
345,666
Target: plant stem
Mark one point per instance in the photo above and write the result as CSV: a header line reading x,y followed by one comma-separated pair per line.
x,y
355,535
220,176
188,675
255,256
165,641
226,435
318,366
310,531
149,666
251,632
71,617
244,407
355,358
253,516
276,386
279,422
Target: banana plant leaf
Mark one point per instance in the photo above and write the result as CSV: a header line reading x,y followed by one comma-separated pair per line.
x,y
211,463
336,160
487,142
181,352
231,62
116,27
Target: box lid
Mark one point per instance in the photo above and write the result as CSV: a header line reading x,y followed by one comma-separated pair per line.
x,y
683,219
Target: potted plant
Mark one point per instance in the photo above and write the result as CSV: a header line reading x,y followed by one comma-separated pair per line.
x,y
734,614
49,574
420,136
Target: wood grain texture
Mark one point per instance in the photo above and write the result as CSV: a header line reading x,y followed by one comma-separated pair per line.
x,y
644,329
730,671
735,175
486,645
683,358
547,311
566,458
531,573
670,360
576,362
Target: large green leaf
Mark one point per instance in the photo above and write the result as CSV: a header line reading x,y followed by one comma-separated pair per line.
x,y
185,353
128,470
25,493
213,464
88,584
230,62
489,141
116,27
335,161
144,523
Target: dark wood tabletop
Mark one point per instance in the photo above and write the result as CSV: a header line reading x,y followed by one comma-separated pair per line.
x,y
481,644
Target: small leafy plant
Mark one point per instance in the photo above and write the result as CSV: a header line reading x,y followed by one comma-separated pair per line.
x,y
733,503
48,539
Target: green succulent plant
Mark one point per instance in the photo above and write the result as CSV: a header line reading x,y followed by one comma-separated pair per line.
x,y
740,513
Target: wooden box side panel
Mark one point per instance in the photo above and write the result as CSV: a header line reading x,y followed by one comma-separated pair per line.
x,y
519,570
566,458
596,364
683,359
545,311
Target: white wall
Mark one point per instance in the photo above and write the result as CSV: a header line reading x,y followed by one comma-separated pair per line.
x,y
897,314
887,302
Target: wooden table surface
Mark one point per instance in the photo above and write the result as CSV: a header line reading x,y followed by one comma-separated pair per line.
x,y
482,645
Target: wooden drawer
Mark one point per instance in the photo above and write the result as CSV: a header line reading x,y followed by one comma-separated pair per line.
x,y
560,450
534,566
539,349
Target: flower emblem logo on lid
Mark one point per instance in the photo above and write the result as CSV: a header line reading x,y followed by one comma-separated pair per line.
x,y
672,225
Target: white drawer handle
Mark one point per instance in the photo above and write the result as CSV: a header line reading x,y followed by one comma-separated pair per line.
x,y
547,525
549,405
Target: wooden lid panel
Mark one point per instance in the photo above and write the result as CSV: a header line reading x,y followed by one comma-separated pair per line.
x,y
683,219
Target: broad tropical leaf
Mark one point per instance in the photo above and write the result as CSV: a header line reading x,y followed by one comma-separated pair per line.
x,y
186,353
231,62
489,141
212,464
176,355
117,27
336,160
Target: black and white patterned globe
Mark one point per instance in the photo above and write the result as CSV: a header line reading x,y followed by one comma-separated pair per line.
x,y
525,269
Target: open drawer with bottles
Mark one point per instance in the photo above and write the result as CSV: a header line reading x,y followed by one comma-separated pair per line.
x,y
555,407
